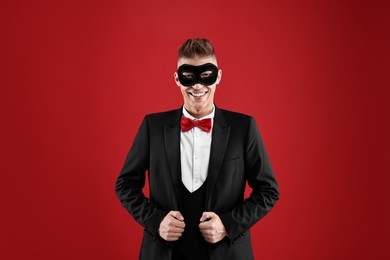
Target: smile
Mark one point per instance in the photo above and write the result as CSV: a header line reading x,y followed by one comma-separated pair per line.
x,y
200,94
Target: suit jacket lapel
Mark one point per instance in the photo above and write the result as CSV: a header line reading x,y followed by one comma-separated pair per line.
x,y
221,131
172,149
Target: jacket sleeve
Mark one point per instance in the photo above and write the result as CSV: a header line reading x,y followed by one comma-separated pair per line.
x,y
131,180
261,179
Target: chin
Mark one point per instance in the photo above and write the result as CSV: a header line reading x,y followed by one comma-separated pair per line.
x,y
199,106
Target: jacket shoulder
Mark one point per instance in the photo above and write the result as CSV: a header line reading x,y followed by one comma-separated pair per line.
x,y
163,117
236,117
162,114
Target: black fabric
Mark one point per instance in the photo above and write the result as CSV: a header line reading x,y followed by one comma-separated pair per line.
x,y
205,74
191,244
177,255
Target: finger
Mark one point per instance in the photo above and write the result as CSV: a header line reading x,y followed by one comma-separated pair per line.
x,y
176,223
174,236
171,230
170,235
207,232
176,230
204,226
176,215
207,224
207,215
207,236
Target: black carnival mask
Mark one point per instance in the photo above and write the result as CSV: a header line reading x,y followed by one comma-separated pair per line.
x,y
190,75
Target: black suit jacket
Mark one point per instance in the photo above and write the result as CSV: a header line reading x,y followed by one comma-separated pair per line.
x,y
237,156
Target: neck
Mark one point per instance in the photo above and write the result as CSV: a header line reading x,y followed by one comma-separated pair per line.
x,y
200,113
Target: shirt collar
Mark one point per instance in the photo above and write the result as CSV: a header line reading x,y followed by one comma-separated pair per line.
x,y
211,115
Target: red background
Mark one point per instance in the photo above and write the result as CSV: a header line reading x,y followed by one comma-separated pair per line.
x,y
77,77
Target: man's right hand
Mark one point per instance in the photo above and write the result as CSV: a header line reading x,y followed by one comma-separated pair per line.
x,y
172,226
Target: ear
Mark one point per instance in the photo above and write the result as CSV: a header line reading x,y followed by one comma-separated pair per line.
x,y
176,77
219,77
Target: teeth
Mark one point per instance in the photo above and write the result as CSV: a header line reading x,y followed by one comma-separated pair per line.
x,y
198,94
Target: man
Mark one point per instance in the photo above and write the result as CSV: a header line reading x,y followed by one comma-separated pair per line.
x,y
198,158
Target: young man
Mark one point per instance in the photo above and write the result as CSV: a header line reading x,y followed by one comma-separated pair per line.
x,y
198,158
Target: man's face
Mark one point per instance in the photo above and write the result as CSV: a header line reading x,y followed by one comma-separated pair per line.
x,y
198,98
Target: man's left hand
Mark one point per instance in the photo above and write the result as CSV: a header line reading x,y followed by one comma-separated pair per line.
x,y
211,227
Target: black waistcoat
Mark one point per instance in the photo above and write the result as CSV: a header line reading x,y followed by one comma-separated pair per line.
x,y
191,244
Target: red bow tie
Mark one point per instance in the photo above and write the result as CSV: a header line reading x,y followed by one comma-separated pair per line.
x,y
187,124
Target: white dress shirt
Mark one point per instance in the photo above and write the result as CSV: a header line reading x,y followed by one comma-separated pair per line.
x,y
195,147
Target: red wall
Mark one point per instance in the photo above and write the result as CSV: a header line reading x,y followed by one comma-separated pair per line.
x,y
77,77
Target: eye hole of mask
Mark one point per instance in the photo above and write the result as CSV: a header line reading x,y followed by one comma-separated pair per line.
x,y
188,75
206,74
